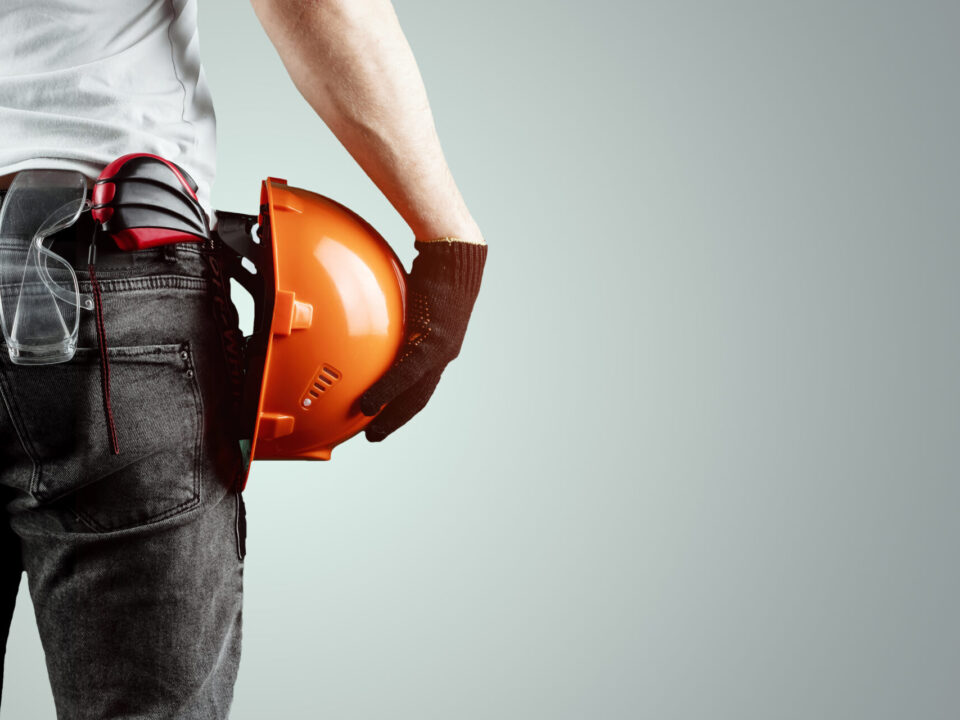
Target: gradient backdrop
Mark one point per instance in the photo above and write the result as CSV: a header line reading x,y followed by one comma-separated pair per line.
x,y
699,457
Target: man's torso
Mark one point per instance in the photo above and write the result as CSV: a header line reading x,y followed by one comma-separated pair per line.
x,y
82,83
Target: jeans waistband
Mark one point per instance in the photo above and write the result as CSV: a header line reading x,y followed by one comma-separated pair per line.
x,y
73,245
178,264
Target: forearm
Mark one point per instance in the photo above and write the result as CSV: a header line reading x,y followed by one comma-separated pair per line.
x,y
352,63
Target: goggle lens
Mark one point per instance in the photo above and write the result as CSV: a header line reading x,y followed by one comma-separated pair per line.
x,y
40,299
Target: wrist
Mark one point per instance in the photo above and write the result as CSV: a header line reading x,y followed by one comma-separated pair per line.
x,y
467,232
451,239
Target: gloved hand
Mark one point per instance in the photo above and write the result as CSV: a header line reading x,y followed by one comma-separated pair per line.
x,y
441,288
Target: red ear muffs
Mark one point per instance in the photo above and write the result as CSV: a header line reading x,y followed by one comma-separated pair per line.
x,y
143,201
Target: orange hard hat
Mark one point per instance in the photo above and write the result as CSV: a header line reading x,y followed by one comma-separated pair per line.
x,y
328,320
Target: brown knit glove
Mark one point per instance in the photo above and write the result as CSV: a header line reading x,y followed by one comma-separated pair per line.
x,y
441,288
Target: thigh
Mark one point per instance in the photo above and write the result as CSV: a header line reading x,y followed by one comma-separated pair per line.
x,y
11,564
142,622
11,569
134,561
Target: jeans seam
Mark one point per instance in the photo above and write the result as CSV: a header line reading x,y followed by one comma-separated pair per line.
x,y
148,282
25,442
134,282
201,419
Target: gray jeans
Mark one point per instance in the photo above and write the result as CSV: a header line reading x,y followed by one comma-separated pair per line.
x,y
134,561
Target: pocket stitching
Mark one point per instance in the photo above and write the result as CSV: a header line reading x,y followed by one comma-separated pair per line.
x,y
91,354
129,351
196,498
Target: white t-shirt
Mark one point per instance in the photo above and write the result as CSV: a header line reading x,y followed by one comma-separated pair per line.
x,y
83,82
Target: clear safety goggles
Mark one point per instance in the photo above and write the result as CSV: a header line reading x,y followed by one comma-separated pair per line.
x,y
40,299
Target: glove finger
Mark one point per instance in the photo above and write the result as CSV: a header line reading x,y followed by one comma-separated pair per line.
x,y
401,376
404,407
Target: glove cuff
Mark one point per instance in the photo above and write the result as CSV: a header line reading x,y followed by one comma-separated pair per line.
x,y
455,263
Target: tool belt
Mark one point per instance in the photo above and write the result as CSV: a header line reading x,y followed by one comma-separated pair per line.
x,y
140,201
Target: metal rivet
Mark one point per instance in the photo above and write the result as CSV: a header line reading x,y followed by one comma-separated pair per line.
x,y
189,373
307,402
183,354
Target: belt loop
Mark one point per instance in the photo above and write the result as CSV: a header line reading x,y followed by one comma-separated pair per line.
x,y
170,252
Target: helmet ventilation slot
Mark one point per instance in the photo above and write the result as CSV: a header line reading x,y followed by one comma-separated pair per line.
x,y
323,380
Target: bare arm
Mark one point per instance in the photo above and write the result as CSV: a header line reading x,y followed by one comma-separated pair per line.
x,y
351,61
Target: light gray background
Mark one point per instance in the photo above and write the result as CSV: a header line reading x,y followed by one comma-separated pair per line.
x,y
699,457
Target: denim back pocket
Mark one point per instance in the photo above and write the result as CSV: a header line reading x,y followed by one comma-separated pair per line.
x,y
158,415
